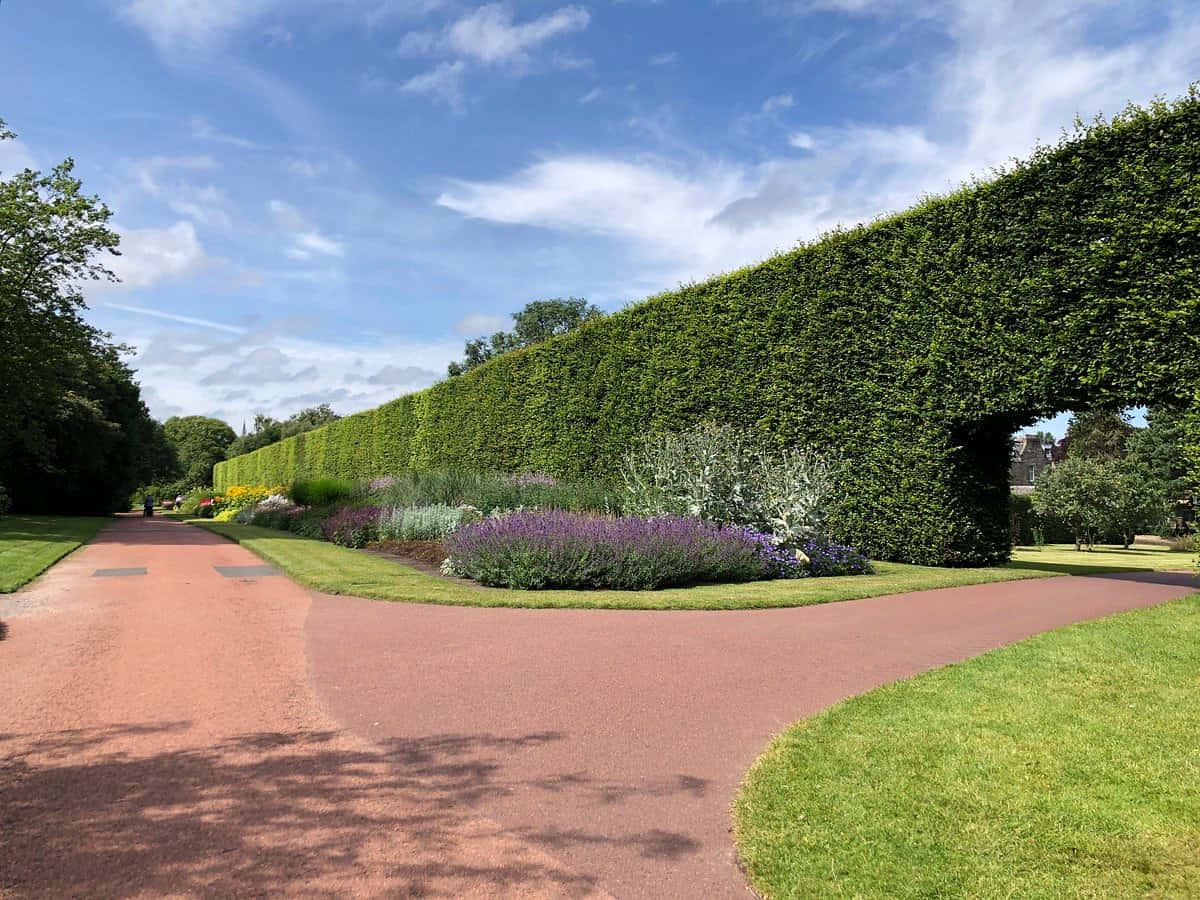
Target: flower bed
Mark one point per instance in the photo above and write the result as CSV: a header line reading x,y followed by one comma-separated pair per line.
x,y
555,549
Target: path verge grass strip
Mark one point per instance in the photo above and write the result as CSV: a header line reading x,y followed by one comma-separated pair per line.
x,y
337,570
29,545
1063,766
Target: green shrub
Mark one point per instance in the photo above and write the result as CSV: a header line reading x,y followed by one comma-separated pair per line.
x,y
914,347
322,491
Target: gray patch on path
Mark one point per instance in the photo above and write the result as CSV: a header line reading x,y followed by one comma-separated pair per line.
x,y
108,573
246,571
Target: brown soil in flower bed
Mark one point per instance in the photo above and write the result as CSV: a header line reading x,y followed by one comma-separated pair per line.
x,y
432,553
424,556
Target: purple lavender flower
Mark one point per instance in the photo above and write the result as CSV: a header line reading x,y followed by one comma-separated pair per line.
x,y
543,549
352,526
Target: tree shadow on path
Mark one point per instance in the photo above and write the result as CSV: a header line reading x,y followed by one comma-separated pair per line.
x,y
86,813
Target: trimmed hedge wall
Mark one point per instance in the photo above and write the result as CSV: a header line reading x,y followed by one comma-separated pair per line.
x,y
915,345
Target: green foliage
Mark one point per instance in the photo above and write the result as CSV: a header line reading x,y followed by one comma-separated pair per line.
x,y
74,433
913,346
1093,498
5,501
199,444
1161,446
307,420
1097,434
321,491
538,321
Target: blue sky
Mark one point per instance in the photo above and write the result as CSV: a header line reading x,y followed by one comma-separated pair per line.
x,y
320,199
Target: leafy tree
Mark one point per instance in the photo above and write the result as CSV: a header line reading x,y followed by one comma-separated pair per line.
x,y
538,321
200,443
307,420
1098,434
266,431
1074,493
74,433
1136,499
1160,446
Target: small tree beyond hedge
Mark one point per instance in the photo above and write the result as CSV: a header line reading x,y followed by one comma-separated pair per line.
x,y
914,347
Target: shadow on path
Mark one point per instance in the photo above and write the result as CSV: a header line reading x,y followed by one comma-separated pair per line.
x,y
259,814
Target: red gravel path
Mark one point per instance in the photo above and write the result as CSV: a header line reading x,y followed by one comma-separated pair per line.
x,y
175,734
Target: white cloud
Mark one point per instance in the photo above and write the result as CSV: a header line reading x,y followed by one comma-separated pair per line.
x,y
152,255
441,83
15,156
205,204
315,242
591,95
1013,75
664,59
273,369
307,239
474,325
490,36
172,23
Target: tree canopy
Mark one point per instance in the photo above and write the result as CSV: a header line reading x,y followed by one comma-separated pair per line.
x,y
200,443
74,433
536,322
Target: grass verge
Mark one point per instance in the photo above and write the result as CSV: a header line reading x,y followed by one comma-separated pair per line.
x,y
1063,766
29,545
337,570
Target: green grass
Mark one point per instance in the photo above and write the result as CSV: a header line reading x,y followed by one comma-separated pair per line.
x,y
29,545
1063,766
1063,559
337,570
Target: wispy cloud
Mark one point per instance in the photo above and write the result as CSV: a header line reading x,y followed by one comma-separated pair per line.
x,y
204,130
172,317
490,36
487,37
307,239
664,59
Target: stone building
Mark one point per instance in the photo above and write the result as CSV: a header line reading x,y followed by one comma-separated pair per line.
x,y
1030,458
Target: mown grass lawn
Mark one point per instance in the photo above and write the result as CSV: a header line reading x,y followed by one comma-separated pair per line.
x,y
29,545
1063,559
337,570
1066,765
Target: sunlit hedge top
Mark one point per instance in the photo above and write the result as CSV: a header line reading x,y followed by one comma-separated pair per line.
x,y
914,346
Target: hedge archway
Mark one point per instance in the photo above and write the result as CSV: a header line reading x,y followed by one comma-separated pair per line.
x,y
915,345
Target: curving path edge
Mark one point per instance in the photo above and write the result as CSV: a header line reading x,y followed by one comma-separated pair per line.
x,y
188,732
616,739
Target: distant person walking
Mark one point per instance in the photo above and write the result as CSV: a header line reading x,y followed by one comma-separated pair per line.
x,y
178,501
147,506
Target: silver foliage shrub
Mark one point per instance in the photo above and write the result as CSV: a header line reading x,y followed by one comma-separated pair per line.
x,y
723,475
423,523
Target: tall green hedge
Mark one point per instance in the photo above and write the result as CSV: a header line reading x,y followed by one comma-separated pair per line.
x,y
915,346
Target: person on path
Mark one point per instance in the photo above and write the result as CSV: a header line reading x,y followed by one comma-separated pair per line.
x,y
147,506
178,501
